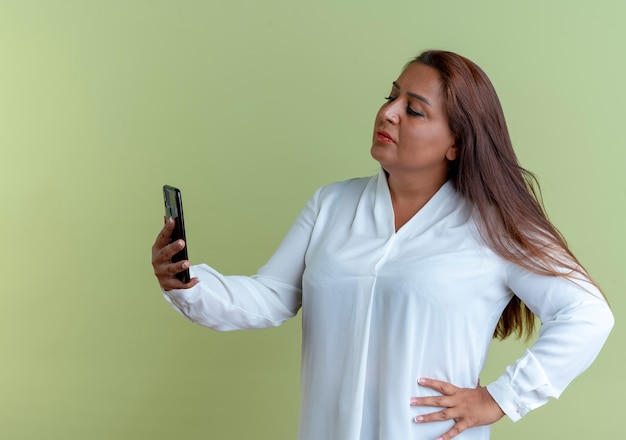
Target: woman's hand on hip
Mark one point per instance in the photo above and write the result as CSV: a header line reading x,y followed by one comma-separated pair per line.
x,y
468,407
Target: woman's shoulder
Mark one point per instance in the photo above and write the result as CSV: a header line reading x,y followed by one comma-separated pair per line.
x,y
346,187
353,184
345,191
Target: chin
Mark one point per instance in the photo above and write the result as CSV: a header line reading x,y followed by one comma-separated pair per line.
x,y
377,154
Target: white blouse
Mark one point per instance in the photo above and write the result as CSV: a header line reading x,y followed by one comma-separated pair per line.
x,y
381,308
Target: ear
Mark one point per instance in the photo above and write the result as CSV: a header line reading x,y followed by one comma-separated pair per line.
x,y
452,153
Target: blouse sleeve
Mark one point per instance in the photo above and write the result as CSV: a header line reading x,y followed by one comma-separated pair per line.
x,y
575,323
266,299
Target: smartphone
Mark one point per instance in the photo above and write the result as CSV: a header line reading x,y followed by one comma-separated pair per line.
x,y
174,209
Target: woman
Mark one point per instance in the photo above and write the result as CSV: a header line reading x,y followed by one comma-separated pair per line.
x,y
404,277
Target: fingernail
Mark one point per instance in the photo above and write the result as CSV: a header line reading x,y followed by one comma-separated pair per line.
x,y
419,419
421,380
185,265
413,401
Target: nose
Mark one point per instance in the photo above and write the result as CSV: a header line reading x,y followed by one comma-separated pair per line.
x,y
389,112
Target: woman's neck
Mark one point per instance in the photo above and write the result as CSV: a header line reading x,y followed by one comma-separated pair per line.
x,y
408,196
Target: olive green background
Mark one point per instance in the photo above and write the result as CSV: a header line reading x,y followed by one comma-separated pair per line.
x,y
249,106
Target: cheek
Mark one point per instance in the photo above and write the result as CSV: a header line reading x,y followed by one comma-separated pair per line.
x,y
440,135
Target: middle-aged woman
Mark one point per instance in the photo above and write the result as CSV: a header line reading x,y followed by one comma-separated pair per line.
x,y
404,277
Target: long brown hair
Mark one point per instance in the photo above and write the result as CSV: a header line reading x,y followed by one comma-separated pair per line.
x,y
513,221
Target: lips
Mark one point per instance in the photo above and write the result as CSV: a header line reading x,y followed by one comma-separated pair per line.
x,y
383,136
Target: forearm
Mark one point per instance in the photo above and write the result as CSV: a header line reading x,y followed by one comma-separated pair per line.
x,y
266,299
235,302
576,322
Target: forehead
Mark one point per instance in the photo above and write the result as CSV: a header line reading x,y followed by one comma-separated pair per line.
x,y
421,79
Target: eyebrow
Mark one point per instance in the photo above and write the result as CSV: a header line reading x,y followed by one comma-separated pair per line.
x,y
414,95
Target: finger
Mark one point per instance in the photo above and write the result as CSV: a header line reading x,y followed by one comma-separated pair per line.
x,y
439,416
459,425
438,401
172,249
167,269
437,385
165,254
175,284
164,235
175,268
166,274
454,431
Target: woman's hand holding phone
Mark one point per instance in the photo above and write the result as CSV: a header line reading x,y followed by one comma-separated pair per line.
x,y
162,252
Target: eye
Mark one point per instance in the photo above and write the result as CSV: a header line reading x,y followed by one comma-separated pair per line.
x,y
409,110
412,112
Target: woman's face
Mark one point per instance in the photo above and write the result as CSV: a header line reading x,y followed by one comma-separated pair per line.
x,y
411,132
